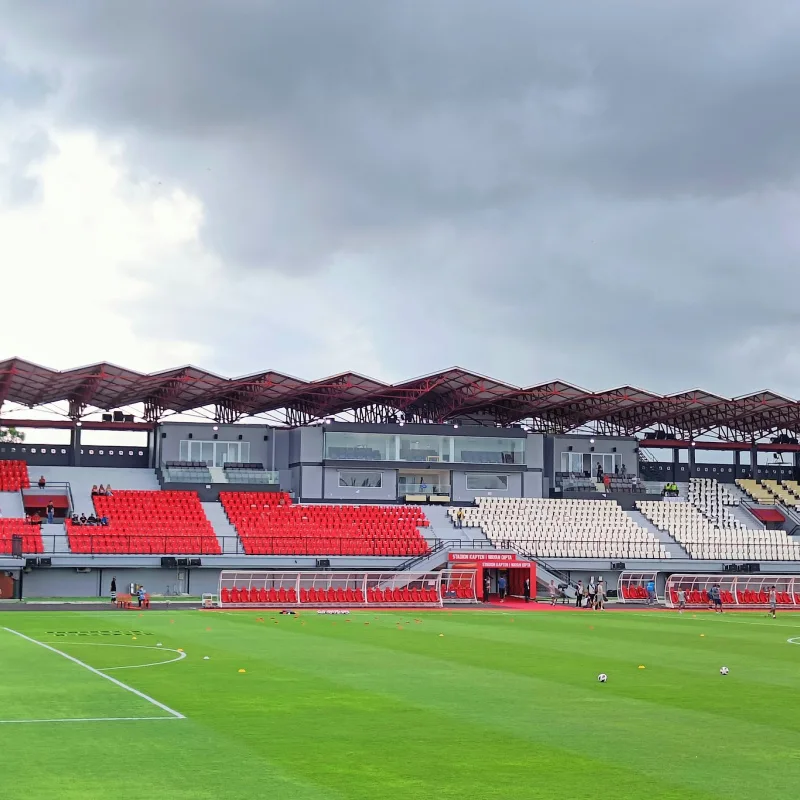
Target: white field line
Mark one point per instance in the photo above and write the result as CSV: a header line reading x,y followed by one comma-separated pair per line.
x,y
181,655
84,719
152,701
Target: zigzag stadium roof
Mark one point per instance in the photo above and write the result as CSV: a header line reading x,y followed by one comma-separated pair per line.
x,y
449,396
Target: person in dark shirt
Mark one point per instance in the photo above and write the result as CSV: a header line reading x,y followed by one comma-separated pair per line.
x,y
51,512
114,589
526,590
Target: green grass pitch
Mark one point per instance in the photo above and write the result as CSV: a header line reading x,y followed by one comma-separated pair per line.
x,y
462,704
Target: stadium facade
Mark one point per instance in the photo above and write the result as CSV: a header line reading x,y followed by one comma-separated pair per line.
x,y
449,441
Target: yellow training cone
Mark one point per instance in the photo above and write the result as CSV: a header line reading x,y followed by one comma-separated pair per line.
x,y
180,650
641,666
134,638
702,636
242,670
441,634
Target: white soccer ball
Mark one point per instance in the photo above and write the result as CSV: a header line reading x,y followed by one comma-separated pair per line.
x,y
723,670
602,677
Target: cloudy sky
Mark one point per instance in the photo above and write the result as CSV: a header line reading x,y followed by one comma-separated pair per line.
x,y
601,192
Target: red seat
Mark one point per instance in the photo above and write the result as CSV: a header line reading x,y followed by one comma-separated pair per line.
x,y
13,476
225,595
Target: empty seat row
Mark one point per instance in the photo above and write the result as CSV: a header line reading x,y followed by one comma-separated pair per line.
x,y
269,523
13,476
148,522
561,528
31,536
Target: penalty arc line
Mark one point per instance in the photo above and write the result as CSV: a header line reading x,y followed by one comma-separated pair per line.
x,y
181,654
103,675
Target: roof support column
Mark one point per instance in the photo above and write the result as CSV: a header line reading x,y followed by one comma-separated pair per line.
x,y
753,461
691,459
75,446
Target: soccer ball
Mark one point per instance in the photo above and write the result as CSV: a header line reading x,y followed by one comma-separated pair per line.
x,y
602,677
723,671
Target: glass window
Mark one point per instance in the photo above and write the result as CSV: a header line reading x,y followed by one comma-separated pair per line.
x,y
347,446
416,447
489,450
357,479
486,482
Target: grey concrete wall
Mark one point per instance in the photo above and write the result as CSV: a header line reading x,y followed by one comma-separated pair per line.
x,y
57,582
461,494
387,492
311,444
533,485
310,483
169,446
534,451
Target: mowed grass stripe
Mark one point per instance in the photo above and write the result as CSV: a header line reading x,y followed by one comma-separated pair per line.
x,y
431,685
347,710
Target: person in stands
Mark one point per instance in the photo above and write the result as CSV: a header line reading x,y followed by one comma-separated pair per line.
x,y
104,520
42,482
76,520
51,512
94,491
92,520
83,519
460,518
109,493
101,490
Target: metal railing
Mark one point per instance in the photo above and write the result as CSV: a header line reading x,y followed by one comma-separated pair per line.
x,y
52,487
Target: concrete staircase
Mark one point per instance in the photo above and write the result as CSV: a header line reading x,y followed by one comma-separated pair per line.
x,y
667,542
11,505
441,527
54,538
228,538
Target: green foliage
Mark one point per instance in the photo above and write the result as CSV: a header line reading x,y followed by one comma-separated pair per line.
x,y
11,435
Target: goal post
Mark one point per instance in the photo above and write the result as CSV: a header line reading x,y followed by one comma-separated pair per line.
x,y
253,588
743,591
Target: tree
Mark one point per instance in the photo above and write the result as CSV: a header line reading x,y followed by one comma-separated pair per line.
x,y
11,435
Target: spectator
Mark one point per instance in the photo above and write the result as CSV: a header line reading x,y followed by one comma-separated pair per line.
x,y
104,520
460,518
83,519
101,490
76,519
94,491
109,493
42,482
93,520
51,512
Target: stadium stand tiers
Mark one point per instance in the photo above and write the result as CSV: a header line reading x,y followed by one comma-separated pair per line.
x,y
719,536
562,528
268,523
31,536
13,476
142,523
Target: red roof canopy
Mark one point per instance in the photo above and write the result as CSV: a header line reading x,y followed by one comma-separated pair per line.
x,y
447,396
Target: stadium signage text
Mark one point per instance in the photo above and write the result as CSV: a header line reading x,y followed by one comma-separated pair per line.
x,y
490,560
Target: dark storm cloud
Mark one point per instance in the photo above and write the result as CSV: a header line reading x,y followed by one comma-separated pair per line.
x,y
605,192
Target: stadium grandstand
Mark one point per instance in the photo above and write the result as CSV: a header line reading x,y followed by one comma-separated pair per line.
x,y
269,474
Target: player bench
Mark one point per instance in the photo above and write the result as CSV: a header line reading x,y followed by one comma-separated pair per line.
x,y
129,601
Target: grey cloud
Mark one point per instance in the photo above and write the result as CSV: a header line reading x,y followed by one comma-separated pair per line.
x,y
600,192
